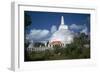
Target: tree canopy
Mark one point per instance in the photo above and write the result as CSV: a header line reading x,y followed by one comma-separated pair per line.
x,y
27,20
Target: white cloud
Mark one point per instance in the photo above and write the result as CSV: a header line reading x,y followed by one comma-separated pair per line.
x,y
85,30
76,27
53,29
37,34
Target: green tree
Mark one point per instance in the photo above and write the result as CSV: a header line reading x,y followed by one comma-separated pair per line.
x,y
27,20
57,49
38,44
76,49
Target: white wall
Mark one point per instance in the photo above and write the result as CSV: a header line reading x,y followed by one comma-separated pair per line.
x,y
5,34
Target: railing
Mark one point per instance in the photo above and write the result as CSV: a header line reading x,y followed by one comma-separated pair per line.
x,y
38,48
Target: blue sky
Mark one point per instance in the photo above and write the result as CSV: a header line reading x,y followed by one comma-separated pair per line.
x,y
45,20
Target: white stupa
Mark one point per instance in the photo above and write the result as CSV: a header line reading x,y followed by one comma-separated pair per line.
x,y
62,25
63,34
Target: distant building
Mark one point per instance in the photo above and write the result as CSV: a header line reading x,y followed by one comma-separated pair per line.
x,y
56,43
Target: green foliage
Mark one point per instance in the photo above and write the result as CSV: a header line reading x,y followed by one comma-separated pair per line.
x,y
27,20
48,54
75,50
26,44
38,44
35,56
57,49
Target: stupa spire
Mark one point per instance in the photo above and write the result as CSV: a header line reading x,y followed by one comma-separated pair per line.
x,y
62,20
62,24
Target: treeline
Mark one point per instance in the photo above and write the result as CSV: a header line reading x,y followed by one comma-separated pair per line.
x,y
78,49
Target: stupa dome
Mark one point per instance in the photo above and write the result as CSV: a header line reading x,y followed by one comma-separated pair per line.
x,y
62,27
65,36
